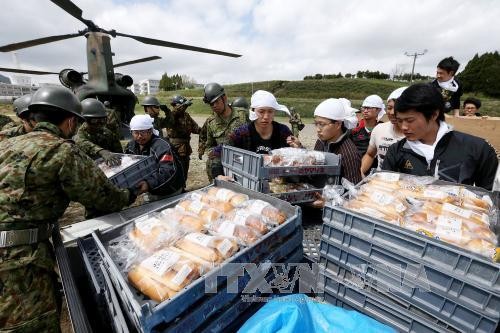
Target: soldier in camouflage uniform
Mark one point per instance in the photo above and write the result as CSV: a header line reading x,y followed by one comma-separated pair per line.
x,y
21,109
152,107
4,120
179,134
40,173
296,122
224,121
93,137
113,123
202,138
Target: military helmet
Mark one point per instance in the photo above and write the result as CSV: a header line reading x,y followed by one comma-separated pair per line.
x,y
240,102
92,108
21,104
57,97
178,99
212,92
150,101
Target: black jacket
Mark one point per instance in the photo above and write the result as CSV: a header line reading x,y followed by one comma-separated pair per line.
x,y
459,158
451,99
169,177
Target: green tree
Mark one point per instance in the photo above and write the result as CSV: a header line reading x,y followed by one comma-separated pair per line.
x,y
481,74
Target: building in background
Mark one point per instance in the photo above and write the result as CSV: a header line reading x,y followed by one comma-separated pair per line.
x,y
135,88
149,87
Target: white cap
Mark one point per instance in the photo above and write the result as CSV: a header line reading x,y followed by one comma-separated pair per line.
x,y
142,122
264,99
337,109
375,101
396,93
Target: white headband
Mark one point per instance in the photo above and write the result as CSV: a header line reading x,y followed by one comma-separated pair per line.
x,y
142,122
338,109
264,99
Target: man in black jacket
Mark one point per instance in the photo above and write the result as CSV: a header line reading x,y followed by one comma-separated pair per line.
x,y
432,148
168,179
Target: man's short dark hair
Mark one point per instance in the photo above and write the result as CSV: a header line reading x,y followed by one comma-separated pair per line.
x,y
423,98
50,115
473,100
449,64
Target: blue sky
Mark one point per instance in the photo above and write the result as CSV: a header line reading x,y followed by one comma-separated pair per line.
x,y
278,39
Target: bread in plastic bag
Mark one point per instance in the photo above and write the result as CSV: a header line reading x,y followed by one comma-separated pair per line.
x,y
204,211
209,248
272,214
226,196
244,235
294,157
245,217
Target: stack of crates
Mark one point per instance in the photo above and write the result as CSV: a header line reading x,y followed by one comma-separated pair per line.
x,y
248,169
409,281
195,309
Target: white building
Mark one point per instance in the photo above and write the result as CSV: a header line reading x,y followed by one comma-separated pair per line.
x,y
149,87
135,88
9,92
21,80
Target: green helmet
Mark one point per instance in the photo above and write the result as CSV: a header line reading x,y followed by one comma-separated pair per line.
x,y
150,101
58,98
92,108
21,104
212,92
178,99
240,102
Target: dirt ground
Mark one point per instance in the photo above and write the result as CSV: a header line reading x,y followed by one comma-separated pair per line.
x,y
197,178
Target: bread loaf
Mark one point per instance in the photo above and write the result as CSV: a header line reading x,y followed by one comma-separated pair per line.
x,y
141,280
272,214
226,196
202,210
245,217
208,248
242,234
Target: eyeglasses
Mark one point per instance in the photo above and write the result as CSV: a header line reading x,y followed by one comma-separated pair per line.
x,y
96,121
321,125
369,108
141,132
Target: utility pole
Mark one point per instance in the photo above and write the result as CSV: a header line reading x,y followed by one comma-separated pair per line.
x,y
414,55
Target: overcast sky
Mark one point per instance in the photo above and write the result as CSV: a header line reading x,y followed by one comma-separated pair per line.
x,y
279,39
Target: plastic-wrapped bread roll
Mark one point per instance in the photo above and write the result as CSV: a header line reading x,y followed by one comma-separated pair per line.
x,y
386,213
150,232
142,281
202,210
446,209
246,217
166,267
242,234
186,220
209,248
225,195
484,248
272,214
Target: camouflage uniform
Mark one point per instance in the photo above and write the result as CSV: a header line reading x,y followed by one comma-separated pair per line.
x,y
163,122
296,122
179,135
40,173
92,143
11,130
202,139
218,130
4,120
114,123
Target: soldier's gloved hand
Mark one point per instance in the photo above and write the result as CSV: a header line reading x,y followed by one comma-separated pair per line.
x,y
165,109
109,158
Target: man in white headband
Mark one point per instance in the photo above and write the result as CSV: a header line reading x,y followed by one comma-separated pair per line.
x,y
448,85
382,136
373,110
263,134
168,179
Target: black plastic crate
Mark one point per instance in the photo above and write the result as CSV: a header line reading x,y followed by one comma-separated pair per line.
x,y
134,173
147,314
387,276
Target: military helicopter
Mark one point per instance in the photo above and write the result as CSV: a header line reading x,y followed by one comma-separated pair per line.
x,y
102,82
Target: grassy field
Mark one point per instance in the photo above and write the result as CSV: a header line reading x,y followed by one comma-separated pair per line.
x,y
306,95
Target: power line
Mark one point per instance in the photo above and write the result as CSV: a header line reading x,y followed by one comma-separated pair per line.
x,y
414,55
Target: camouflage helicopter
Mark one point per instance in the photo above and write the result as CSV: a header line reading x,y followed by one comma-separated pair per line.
x,y
102,82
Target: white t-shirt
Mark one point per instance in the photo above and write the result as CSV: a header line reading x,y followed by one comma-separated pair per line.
x,y
382,137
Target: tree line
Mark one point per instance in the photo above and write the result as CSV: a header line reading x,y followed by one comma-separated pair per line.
x,y
176,82
367,75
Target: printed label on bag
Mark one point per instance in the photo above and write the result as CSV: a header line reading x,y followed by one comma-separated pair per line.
x,y
258,206
196,207
226,229
181,275
388,177
144,225
449,228
161,261
457,210
200,239
224,195
224,247
241,217
381,198
434,194
196,196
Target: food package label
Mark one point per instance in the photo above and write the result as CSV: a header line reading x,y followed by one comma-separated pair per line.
x,y
196,207
388,177
381,198
195,196
161,261
449,228
224,246
465,213
200,239
226,228
258,206
240,217
181,275
434,194
224,195
145,224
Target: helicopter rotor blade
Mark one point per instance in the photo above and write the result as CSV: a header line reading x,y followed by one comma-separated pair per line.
x,y
25,71
136,61
38,41
158,42
72,9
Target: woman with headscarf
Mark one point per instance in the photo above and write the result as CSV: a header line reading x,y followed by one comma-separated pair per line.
x,y
383,135
262,134
333,118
